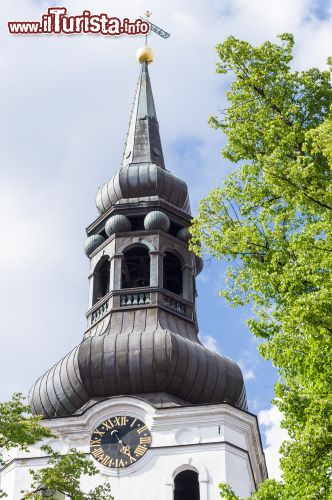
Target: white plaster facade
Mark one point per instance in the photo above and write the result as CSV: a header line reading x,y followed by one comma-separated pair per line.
x,y
219,442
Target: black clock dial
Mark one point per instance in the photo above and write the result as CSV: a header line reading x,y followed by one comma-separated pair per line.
x,y
120,441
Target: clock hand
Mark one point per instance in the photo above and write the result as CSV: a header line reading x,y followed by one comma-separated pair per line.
x,y
125,447
117,437
126,451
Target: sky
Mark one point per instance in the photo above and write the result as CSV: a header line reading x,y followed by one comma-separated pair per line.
x,y
65,103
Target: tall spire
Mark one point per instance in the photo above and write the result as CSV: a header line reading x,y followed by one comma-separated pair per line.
x,y
143,142
142,333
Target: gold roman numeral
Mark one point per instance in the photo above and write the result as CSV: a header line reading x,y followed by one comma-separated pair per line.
x,y
140,450
98,453
119,463
142,429
108,424
95,442
106,461
100,433
145,440
119,421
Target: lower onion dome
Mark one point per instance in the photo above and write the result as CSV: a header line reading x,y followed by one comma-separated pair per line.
x,y
139,362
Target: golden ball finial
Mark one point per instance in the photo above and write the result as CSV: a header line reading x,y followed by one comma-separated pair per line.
x,y
144,54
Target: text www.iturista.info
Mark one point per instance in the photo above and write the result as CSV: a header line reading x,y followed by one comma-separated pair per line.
x,y
57,22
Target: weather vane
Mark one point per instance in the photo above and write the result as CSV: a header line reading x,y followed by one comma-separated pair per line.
x,y
154,28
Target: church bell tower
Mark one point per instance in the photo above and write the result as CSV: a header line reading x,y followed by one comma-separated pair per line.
x,y
162,416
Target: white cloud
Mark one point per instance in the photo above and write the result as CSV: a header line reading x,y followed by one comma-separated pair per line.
x,y
204,277
256,404
247,372
248,363
269,421
210,342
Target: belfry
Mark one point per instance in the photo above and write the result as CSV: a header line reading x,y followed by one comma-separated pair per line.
x,y
162,416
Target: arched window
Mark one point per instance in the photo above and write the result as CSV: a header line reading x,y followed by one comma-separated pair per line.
x,y
136,267
101,280
186,486
172,273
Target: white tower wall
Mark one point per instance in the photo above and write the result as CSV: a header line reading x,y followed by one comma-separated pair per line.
x,y
219,442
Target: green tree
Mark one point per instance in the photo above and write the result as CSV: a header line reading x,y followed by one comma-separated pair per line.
x,y
63,476
269,490
19,429
271,220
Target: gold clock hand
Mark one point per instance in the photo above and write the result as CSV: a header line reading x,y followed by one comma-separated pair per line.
x,y
125,447
126,451
117,437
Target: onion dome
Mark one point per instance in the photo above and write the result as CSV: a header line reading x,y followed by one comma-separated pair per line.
x,y
92,243
157,220
180,367
117,224
140,182
184,234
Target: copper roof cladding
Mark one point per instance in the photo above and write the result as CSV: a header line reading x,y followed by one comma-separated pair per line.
x,y
147,349
136,360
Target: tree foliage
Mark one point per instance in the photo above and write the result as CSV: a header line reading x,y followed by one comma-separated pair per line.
x,y
63,475
269,490
271,220
19,429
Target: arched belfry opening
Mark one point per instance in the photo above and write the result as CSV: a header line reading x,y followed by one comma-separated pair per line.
x,y
136,267
186,485
173,279
101,280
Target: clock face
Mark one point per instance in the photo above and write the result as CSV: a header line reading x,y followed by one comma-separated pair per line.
x,y
120,441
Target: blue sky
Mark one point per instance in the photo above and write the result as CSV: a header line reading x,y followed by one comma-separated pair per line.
x,y
225,326
321,9
65,104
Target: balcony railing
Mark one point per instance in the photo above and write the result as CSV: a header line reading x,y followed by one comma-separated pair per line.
x,y
175,305
131,298
98,313
134,299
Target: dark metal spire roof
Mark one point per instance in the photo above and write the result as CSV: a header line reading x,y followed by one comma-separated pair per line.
x,y
143,176
143,142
